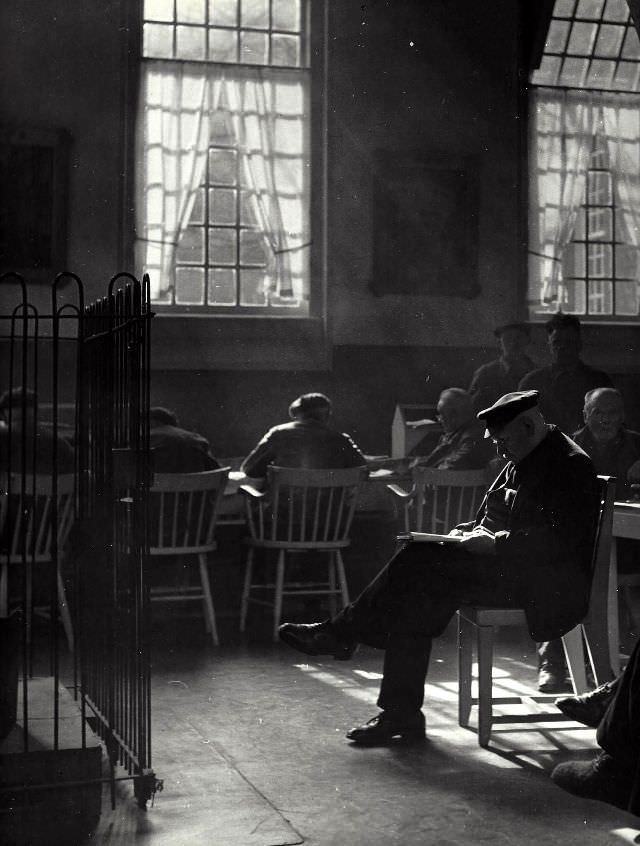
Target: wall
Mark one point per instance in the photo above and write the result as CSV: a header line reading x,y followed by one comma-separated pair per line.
x,y
430,80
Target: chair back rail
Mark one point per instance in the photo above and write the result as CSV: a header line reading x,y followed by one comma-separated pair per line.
x,y
444,498
303,507
184,508
28,513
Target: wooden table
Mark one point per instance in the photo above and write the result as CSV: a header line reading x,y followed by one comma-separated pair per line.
x,y
626,524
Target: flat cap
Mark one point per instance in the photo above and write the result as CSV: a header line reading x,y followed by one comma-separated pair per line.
x,y
506,408
519,327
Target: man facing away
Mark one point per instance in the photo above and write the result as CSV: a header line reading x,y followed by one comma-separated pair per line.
x,y
462,445
174,449
307,442
499,377
530,546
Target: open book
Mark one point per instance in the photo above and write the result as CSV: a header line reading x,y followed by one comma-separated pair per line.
x,y
427,537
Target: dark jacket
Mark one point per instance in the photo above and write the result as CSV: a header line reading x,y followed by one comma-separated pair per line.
x,y
562,392
613,458
43,452
175,450
493,380
307,444
553,500
464,449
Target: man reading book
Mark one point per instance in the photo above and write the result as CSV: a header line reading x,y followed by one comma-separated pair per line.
x,y
529,546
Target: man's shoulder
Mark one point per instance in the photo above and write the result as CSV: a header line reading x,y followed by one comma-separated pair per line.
x,y
599,378
536,378
490,368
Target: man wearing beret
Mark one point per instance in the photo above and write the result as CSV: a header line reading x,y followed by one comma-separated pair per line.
x,y
308,441
503,375
530,546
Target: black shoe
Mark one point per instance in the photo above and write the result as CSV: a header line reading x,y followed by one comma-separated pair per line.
x,y
552,679
316,639
390,727
589,708
600,779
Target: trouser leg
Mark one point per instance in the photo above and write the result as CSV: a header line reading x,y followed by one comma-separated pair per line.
x,y
404,674
551,652
619,730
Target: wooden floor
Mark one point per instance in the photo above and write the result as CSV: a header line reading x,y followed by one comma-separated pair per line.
x,y
249,740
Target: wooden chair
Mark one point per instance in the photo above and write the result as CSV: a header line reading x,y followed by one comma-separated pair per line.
x,y
300,511
184,507
482,621
440,499
28,508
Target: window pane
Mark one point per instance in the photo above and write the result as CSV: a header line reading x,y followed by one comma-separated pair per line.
x,y
590,9
158,41
197,213
616,11
564,8
286,15
579,231
285,50
600,225
222,246
255,13
223,45
626,78
599,188
248,214
252,247
601,73
222,206
574,72
548,72
253,48
574,299
223,12
158,10
627,298
599,261
609,40
253,287
191,247
631,49
627,262
189,285
557,36
222,286
190,43
601,297
582,38
191,11
222,167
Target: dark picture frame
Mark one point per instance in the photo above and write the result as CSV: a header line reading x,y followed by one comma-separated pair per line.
x,y
425,226
34,167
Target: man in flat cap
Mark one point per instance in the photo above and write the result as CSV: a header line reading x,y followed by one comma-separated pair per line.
x,y
530,546
308,441
503,375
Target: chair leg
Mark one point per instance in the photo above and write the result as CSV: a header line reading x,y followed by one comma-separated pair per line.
x,y
64,612
277,604
574,655
332,566
4,591
485,683
598,646
342,579
246,590
465,659
206,589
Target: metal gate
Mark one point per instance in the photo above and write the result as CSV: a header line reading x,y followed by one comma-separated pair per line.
x,y
105,345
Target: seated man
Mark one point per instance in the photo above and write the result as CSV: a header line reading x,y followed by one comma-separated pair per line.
x,y
307,442
530,546
563,383
175,450
25,435
492,380
462,445
613,775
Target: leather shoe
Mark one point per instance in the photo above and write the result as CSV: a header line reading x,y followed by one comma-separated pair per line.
x,y
316,639
390,727
600,779
589,708
552,679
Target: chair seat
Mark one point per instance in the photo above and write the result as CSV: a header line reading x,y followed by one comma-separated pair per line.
x,y
301,546
483,615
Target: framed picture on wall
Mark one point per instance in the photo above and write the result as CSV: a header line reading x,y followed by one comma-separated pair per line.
x,y
33,201
425,225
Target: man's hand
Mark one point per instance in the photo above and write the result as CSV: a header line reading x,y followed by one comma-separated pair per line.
x,y
479,541
456,533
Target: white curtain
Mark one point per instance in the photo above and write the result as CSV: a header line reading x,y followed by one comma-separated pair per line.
x,y
621,128
174,132
562,126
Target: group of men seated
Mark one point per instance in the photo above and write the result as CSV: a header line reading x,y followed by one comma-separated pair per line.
x,y
529,546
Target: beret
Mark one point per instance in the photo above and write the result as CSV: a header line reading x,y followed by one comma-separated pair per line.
x,y
506,408
309,404
520,327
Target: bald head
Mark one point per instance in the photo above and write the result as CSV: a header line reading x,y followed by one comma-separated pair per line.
x,y
604,413
455,409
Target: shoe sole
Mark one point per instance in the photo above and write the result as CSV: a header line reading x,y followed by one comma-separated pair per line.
x,y
407,739
293,641
568,712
